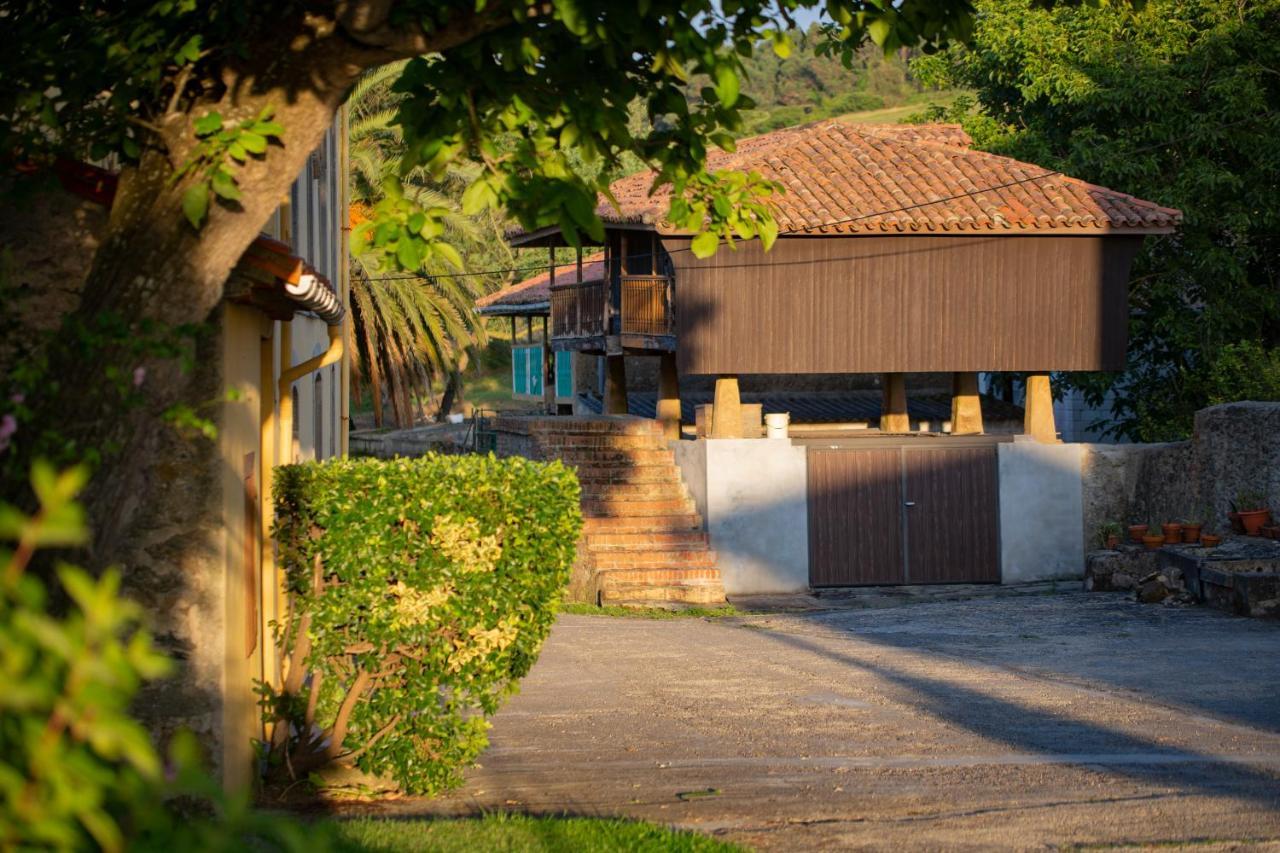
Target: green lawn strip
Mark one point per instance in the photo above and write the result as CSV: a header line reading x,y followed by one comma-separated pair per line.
x,y
581,609
515,832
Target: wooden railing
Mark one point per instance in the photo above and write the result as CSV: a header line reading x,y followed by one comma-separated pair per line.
x,y
578,309
646,305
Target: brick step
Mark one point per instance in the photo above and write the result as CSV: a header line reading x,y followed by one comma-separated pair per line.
x,y
684,559
559,441
683,522
594,458
629,474
595,491
647,541
597,426
649,590
637,508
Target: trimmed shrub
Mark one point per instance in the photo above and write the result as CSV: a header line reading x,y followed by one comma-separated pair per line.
x,y
421,591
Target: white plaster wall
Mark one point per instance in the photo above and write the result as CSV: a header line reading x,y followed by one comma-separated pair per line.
x,y
752,496
1041,511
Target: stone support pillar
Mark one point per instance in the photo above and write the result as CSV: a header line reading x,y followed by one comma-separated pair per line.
x,y
669,396
966,405
726,410
893,406
1039,409
615,385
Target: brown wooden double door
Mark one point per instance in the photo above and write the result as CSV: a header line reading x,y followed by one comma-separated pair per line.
x,y
897,515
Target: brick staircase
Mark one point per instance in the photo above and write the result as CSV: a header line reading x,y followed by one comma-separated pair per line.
x,y
643,541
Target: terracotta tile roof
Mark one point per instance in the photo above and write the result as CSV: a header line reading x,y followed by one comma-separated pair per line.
x,y
536,290
267,265
874,179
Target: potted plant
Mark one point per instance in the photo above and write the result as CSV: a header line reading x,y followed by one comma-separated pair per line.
x,y
1271,531
1172,531
1154,537
1191,528
1253,512
1109,535
1137,531
1210,540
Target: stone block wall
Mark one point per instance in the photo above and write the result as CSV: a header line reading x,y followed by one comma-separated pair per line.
x,y
1235,447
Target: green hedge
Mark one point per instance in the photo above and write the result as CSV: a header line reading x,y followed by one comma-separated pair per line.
x,y
422,590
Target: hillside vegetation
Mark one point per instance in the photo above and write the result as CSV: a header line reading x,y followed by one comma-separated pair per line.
x,y
805,87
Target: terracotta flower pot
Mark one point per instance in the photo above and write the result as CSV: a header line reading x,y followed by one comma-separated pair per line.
x,y
1237,526
1137,531
1191,533
1252,520
1113,542
1172,533
1152,541
1271,531
1208,540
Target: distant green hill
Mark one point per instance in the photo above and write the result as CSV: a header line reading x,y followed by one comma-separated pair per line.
x,y
806,87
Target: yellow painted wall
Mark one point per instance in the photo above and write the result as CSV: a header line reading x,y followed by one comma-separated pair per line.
x,y
238,436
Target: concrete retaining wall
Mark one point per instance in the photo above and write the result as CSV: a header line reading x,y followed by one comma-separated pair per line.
x,y
1041,511
752,496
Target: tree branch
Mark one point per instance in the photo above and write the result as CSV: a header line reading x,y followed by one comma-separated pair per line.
x,y
368,23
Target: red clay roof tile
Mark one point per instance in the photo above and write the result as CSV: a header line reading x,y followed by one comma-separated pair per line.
x,y
855,179
536,290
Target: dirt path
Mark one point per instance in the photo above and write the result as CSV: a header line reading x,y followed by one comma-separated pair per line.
x,y
994,722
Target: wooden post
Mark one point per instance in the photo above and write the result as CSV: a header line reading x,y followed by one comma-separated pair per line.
x,y
669,396
966,405
726,409
548,371
893,405
1039,409
615,385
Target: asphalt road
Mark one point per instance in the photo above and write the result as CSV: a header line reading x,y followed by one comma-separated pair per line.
x,y
1017,722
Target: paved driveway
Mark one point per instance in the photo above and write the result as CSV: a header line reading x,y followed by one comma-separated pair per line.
x,y
1004,721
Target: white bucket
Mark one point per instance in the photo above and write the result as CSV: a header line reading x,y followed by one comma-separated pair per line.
x,y
775,425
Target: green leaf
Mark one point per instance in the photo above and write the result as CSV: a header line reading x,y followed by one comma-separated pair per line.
x,y
208,124
195,204
704,245
727,85
478,197
253,143
407,254
225,186
237,152
880,30
768,232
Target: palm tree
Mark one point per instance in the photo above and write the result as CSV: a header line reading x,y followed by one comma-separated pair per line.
x,y
409,333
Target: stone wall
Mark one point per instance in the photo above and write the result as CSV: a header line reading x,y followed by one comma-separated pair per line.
x,y
1235,447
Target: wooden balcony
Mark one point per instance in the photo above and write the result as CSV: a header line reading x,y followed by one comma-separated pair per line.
x,y
580,309
582,317
646,305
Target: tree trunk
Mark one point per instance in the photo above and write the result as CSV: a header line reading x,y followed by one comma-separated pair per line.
x,y
155,270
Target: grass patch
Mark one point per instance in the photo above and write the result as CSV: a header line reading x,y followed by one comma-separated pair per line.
x,y
513,832
578,608
896,114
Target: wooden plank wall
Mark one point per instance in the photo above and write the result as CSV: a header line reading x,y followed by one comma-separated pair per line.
x,y
904,303
855,517
953,529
